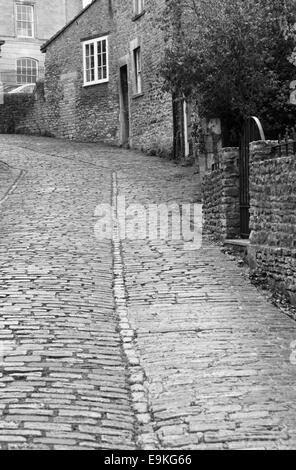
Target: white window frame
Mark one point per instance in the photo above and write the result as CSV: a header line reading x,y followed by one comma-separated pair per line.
x,y
138,7
186,136
95,44
37,69
31,6
138,70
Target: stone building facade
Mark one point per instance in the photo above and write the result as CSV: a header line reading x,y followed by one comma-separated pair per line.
x,y
24,26
102,80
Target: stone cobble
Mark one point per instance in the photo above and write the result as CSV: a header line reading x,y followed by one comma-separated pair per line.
x,y
215,353
130,344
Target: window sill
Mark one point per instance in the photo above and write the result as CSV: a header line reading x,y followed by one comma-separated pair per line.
x,y
86,85
137,95
139,15
25,38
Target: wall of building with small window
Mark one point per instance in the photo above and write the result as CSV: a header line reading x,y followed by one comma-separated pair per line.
x,y
102,77
102,80
81,86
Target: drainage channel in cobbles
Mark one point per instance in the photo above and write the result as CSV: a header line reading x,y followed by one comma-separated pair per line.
x,y
146,438
12,187
9,179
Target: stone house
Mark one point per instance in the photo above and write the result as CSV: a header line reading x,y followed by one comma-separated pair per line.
x,y
24,26
102,80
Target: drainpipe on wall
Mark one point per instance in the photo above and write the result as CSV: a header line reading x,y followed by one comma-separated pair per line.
x,y
1,84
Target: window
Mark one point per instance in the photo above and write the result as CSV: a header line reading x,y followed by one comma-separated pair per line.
x,y
26,71
138,70
138,7
24,20
96,61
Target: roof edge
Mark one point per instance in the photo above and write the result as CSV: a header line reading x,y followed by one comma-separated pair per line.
x,y
44,46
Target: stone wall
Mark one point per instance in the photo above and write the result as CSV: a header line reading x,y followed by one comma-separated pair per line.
x,y
212,195
24,113
273,214
151,112
14,110
221,196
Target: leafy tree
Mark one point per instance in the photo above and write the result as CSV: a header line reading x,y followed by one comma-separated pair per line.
x,y
231,56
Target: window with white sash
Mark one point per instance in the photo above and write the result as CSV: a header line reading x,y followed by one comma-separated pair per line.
x,y
138,70
95,61
24,20
26,71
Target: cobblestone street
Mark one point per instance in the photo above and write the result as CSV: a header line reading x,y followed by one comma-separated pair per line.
x,y
135,344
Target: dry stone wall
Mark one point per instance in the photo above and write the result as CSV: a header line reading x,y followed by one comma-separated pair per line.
x,y
273,214
221,196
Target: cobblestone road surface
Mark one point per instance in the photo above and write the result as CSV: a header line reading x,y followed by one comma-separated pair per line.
x,y
134,344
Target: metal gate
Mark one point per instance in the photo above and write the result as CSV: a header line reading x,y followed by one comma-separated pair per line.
x,y
252,130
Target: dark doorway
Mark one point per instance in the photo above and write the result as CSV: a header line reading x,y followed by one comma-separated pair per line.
x,y
252,130
124,106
